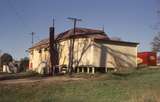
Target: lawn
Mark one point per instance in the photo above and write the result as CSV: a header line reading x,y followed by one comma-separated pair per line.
x,y
131,86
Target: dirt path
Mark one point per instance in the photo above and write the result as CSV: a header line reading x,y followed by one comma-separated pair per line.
x,y
44,80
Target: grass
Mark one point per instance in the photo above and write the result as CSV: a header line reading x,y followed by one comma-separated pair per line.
x,y
130,86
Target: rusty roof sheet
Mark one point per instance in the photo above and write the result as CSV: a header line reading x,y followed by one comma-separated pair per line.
x,y
79,32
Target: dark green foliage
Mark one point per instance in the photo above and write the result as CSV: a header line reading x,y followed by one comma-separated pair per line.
x,y
6,59
24,64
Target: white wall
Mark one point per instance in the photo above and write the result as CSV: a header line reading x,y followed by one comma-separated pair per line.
x,y
114,55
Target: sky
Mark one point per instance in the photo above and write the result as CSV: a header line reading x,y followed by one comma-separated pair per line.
x,y
131,20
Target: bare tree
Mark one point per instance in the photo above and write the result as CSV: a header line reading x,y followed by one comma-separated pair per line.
x,y
0,59
156,40
71,49
156,43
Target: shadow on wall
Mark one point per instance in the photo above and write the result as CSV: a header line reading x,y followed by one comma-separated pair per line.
x,y
79,52
103,56
85,48
119,59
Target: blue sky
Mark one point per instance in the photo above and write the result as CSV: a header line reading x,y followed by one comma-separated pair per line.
x,y
131,20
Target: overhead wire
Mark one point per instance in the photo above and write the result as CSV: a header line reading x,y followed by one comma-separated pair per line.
x,y
17,13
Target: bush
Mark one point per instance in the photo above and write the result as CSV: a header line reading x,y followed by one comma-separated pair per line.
x,y
24,64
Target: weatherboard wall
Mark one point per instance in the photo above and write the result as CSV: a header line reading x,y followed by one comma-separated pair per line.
x,y
88,52
82,52
111,55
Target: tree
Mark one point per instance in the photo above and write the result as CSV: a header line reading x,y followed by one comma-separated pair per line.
x,y
156,43
156,40
6,59
24,64
0,60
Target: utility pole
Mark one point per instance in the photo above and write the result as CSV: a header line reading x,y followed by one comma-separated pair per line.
x,y
103,28
53,50
71,48
32,34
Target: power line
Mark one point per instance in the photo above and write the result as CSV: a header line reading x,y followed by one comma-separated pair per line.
x,y
17,13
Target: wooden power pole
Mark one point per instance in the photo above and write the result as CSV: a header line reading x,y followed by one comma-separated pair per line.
x,y
32,34
71,48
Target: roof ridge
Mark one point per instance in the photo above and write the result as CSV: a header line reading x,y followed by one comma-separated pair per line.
x,y
81,32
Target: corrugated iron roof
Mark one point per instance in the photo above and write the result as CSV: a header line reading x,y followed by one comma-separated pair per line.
x,y
79,32
82,32
117,42
42,43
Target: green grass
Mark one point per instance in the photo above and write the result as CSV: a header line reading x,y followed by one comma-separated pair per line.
x,y
130,86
